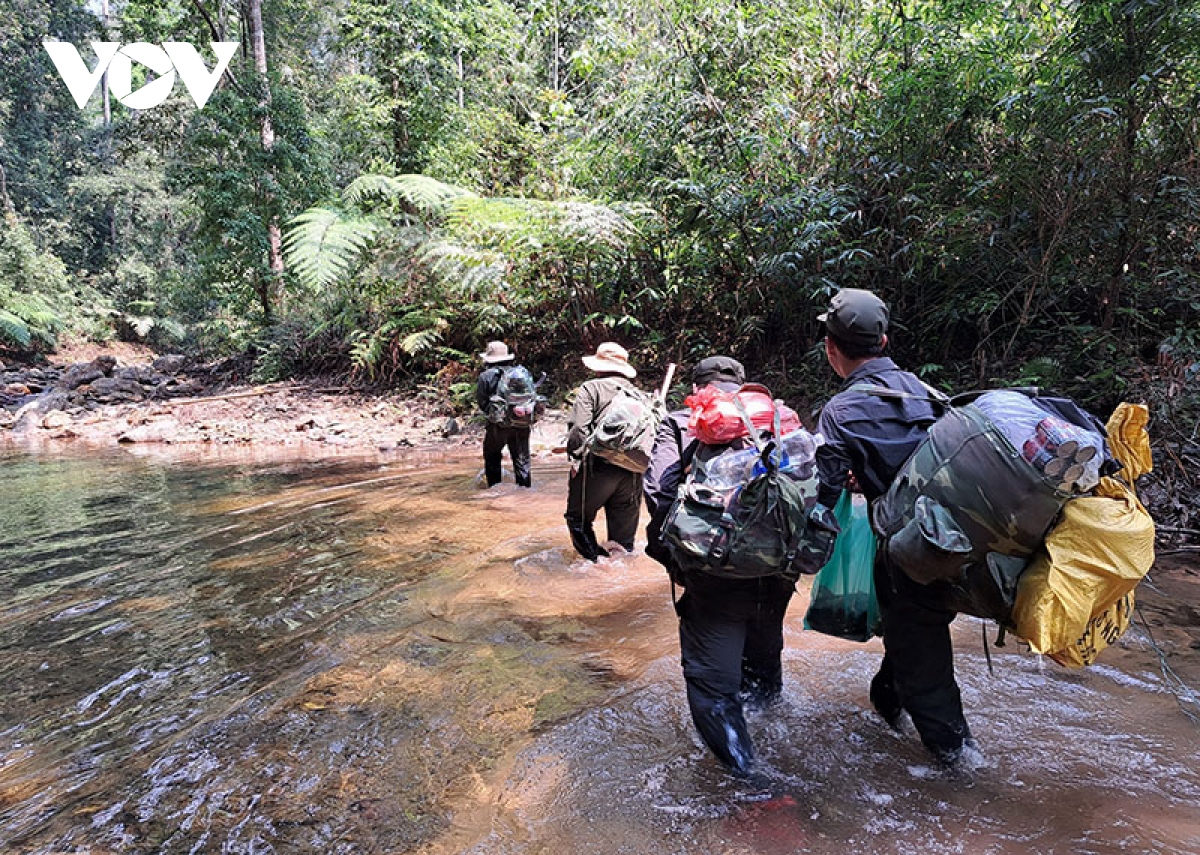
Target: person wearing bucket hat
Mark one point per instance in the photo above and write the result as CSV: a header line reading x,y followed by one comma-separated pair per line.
x,y
730,630
596,483
507,396
868,438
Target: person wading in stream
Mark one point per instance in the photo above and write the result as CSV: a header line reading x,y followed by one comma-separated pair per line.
x,y
506,394
596,482
730,630
870,437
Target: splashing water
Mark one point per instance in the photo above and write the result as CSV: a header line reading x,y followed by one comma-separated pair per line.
x,y
377,656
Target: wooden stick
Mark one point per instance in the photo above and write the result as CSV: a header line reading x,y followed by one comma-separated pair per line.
x,y
249,393
666,384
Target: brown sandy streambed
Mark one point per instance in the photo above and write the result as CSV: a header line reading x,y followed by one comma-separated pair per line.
x,y
243,654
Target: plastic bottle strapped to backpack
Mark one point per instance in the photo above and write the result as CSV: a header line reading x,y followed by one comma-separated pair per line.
x,y
748,512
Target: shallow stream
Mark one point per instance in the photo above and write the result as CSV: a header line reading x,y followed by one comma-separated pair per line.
x,y
377,656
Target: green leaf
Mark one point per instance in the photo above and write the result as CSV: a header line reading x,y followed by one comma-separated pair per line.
x,y
14,330
323,245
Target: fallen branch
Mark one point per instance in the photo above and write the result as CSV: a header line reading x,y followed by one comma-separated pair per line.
x,y
1170,529
247,393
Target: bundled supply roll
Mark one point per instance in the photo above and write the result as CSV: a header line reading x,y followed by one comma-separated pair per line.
x,y
1076,595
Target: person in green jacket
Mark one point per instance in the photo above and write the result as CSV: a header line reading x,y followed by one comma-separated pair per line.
x,y
596,483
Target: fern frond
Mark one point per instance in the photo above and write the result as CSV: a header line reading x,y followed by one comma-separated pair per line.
x,y
481,281
1041,370
322,245
596,226
14,330
365,351
427,195
439,254
465,270
491,317
414,343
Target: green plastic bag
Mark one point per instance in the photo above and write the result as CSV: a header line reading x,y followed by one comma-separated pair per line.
x,y
843,600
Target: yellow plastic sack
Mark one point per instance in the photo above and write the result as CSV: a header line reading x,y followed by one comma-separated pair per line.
x,y
1128,440
1101,631
1075,593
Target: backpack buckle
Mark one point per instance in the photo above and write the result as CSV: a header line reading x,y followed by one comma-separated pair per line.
x,y
720,544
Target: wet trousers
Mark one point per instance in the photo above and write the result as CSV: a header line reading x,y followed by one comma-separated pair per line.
x,y
516,439
599,484
731,644
917,672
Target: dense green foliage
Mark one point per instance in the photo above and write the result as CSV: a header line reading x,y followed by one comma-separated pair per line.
x,y
1017,179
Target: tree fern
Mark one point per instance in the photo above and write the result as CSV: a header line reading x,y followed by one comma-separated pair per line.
x,y
323,245
14,331
428,195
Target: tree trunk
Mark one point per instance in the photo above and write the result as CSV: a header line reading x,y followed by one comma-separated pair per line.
x,y
258,46
6,205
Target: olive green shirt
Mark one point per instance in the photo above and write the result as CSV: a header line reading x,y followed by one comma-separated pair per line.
x,y
590,400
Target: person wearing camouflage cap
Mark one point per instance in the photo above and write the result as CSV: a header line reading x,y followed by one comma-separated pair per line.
x,y
868,438
730,630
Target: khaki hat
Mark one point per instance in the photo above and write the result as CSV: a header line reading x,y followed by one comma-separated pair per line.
x,y
857,317
610,356
497,351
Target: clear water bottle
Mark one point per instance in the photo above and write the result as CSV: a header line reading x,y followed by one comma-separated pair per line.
x,y
730,468
799,450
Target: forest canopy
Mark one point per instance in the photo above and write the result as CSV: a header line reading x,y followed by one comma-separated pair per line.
x,y
378,187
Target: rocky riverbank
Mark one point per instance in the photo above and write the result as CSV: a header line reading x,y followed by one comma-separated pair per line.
x,y
134,397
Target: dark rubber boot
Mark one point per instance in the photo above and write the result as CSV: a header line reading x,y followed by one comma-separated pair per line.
x,y
584,541
884,698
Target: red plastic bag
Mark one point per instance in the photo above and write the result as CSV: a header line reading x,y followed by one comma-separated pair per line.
x,y
715,419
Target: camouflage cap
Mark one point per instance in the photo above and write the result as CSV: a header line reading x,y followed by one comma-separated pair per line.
x,y
856,316
712,369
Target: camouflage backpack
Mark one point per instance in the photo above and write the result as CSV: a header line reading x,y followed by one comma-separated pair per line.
x,y
515,401
740,514
623,433
967,508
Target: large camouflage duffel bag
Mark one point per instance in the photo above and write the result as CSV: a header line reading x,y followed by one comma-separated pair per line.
x,y
969,509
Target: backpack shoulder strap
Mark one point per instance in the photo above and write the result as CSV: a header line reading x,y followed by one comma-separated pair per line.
x,y
932,395
503,373
754,435
687,451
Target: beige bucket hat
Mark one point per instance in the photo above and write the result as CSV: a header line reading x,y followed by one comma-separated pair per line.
x,y
610,356
496,351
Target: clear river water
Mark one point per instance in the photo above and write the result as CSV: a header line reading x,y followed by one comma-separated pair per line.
x,y
247,655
